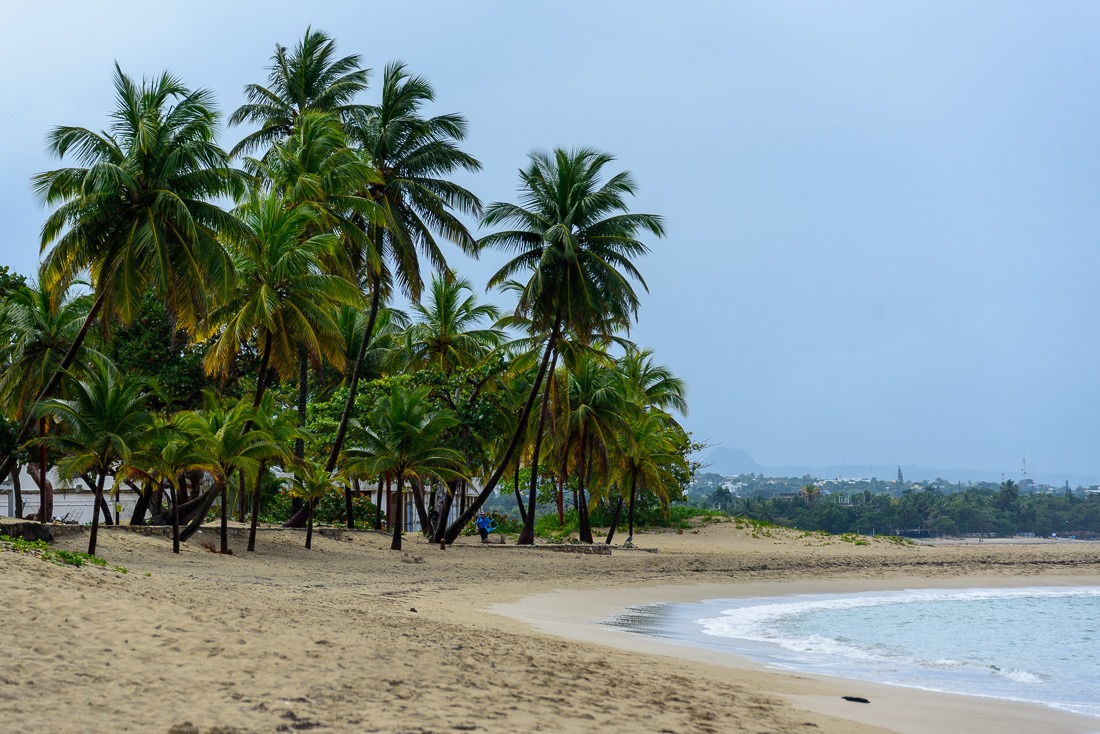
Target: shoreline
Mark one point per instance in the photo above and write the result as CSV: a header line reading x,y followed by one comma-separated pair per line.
x,y
903,709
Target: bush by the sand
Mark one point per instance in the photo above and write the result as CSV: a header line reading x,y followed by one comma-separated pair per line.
x,y
41,550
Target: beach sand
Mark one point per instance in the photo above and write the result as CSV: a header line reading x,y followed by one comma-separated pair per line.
x,y
354,637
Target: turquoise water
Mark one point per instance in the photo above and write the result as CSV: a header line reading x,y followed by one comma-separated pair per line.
x,y
1040,645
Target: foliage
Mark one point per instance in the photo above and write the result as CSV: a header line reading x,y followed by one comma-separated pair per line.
x,y
41,550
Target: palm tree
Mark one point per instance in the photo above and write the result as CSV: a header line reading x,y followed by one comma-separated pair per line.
x,y
104,423
445,334
810,492
219,433
1008,496
573,232
651,458
413,156
402,440
311,484
140,214
308,78
42,326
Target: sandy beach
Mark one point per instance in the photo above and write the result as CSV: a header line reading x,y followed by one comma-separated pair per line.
x,y
354,637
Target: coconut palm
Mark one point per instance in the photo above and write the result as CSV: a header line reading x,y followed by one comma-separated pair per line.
x,y
650,385
41,326
310,484
402,440
573,233
310,77
414,157
652,458
104,422
445,334
219,433
139,213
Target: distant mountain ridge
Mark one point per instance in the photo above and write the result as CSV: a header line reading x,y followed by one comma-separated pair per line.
x,y
730,462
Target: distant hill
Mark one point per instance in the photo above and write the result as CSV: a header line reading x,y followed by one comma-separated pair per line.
x,y
730,462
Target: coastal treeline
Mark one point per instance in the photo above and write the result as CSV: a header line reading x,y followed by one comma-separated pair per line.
x,y
985,509
218,329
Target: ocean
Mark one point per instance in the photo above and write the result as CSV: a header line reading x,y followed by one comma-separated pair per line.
x,y
1040,645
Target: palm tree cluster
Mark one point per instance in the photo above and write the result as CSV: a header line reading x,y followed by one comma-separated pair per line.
x,y
289,365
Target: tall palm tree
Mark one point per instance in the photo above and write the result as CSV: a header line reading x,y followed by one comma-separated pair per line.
x,y
139,213
402,440
309,77
414,157
105,421
651,457
42,326
574,234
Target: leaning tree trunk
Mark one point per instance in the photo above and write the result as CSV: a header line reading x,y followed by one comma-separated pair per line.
x,y
399,512
55,380
463,520
519,497
614,520
356,370
255,510
584,521
95,515
141,507
445,508
196,510
527,535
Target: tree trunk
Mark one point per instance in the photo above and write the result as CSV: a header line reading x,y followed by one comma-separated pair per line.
x,y
614,520
225,516
255,510
357,368
176,519
630,512
421,511
45,489
17,485
458,525
399,512
55,379
445,509
309,526
349,508
519,498
196,510
583,520
527,535
378,507
300,511
101,502
142,504
95,515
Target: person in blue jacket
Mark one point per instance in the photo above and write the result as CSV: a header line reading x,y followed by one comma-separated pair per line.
x,y
484,526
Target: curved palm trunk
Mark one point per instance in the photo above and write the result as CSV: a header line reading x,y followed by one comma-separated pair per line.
x,y
521,427
255,510
630,513
519,498
445,509
421,509
614,520
55,380
527,535
141,507
357,368
95,515
583,519
196,509
399,512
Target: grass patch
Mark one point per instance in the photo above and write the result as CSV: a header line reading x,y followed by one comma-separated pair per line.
x,y
39,549
854,539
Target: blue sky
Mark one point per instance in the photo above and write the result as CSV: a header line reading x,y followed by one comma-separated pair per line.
x,y
882,216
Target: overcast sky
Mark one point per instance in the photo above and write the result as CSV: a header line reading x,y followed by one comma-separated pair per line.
x,y
882,217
